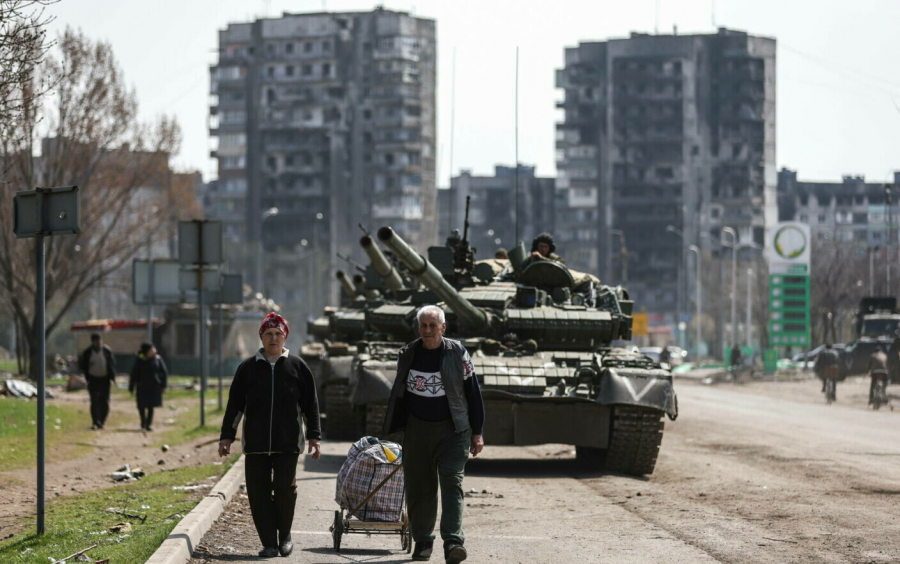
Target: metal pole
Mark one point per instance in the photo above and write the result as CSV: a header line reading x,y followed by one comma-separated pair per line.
x,y
259,259
890,217
749,330
203,346
697,321
221,363
871,272
150,305
734,250
40,330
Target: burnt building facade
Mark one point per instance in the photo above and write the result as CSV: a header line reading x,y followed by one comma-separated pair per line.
x,y
330,118
665,140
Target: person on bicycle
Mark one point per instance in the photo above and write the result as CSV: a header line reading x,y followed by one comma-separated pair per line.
x,y
826,367
878,372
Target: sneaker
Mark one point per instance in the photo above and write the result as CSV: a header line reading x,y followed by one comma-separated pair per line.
x,y
455,553
423,550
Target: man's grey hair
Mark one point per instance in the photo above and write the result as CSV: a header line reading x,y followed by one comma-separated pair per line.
x,y
431,310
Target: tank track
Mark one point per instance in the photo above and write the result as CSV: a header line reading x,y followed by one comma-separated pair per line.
x,y
341,418
375,412
635,439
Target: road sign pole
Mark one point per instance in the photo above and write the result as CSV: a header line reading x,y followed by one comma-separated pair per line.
x,y
203,346
40,307
219,348
150,306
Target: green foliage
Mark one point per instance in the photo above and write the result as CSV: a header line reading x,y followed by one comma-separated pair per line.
x,y
77,522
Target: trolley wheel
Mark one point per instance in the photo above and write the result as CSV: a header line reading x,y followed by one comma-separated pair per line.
x,y
405,534
337,529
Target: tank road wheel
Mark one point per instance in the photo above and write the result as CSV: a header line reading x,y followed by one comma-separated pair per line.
x,y
375,412
340,417
635,438
337,530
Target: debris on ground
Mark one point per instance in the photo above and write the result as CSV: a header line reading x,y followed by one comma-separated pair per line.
x,y
191,488
126,473
21,389
165,448
124,513
124,527
76,555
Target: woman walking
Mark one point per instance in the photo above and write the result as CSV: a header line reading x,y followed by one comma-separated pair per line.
x,y
148,377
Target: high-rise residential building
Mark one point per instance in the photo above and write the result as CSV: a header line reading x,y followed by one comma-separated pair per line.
x,y
851,211
666,140
330,118
493,220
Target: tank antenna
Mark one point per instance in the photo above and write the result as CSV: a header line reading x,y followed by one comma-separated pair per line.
x,y
515,242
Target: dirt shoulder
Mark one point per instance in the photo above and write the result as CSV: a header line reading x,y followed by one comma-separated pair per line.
x,y
121,442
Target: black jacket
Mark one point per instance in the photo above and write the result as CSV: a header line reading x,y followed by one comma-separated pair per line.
x,y
272,403
85,359
149,377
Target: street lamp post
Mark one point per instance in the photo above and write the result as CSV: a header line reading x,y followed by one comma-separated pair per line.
x,y
733,246
260,264
749,330
696,250
682,276
623,254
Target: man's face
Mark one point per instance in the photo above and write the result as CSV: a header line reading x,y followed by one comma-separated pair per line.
x,y
544,249
431,330
273,341
96,343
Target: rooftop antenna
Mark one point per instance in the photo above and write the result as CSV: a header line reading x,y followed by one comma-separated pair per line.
x,y
517,147
452,128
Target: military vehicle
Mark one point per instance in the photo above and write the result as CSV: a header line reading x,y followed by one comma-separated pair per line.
x,y
877,322
540,337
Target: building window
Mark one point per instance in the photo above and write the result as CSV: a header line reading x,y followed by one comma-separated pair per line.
x,y
326,46
326,69
307,70
307,47
289,70
271,163
288,47
270,71
821,218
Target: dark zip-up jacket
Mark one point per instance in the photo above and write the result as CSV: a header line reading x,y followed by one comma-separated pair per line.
x,y
84,362
453,372
272,401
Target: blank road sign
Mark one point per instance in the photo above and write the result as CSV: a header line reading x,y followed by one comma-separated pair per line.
x,y
190,234
166,288
61,216
189,280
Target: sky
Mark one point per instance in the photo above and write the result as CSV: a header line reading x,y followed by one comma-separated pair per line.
x,y
838,85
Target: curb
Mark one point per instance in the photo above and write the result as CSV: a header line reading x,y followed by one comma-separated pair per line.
x,y
179,546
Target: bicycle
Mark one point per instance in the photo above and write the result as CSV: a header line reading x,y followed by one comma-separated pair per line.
x,y
878,395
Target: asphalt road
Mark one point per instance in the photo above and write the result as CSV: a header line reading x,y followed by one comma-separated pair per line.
x,y
763,472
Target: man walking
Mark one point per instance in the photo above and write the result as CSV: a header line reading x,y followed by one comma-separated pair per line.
x,y
99,369
436,399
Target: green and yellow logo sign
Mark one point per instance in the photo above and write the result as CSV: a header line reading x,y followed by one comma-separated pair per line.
x,y
790,242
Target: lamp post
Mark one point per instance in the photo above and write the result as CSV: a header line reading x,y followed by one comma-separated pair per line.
x,y
749,330
733,246
696,250
260,264
682,276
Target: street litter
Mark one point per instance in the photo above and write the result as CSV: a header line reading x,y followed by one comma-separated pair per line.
x,y
21,389
121,528
165,448
76,555
191,488
124,513
126,473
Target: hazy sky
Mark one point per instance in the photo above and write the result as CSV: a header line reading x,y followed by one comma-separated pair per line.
x,y
838,85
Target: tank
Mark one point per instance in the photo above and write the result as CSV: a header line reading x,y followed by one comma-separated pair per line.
x,y
541,338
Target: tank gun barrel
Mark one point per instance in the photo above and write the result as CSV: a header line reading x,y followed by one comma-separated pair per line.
x,y
345,284
470,316
360,282
382,265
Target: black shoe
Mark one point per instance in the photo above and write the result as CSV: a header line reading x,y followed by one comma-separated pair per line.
x,y
455,553
269,552
286,548
148,428
423,550
94,427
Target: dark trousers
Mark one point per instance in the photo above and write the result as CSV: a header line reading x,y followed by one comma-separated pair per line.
x,y
146,417
272,492
98,389
434,456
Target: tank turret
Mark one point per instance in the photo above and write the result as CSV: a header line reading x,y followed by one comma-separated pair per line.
x,y
475,320
382,265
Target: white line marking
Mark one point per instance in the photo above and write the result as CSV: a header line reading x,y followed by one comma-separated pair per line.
x,y
505,537
637,397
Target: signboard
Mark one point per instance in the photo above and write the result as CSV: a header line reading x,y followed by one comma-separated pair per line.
x,y
189,280
47,211
200,241
165,282
788,252
770,361
639,324
231,291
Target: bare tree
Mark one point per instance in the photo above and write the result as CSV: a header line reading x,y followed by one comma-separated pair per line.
x,y
89,135
835,286
23,46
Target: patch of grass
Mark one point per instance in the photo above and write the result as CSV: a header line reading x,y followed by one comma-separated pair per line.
x,y
77,522
10,366
187,421
66,431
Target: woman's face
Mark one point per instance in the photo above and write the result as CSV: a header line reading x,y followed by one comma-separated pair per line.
x,y
151,353
273,341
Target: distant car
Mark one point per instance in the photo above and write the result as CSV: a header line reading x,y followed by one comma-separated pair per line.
x,y
811,355
676,354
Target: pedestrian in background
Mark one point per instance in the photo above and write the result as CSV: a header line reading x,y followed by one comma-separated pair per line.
x,y
272,392
437,400
99,369
148,378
